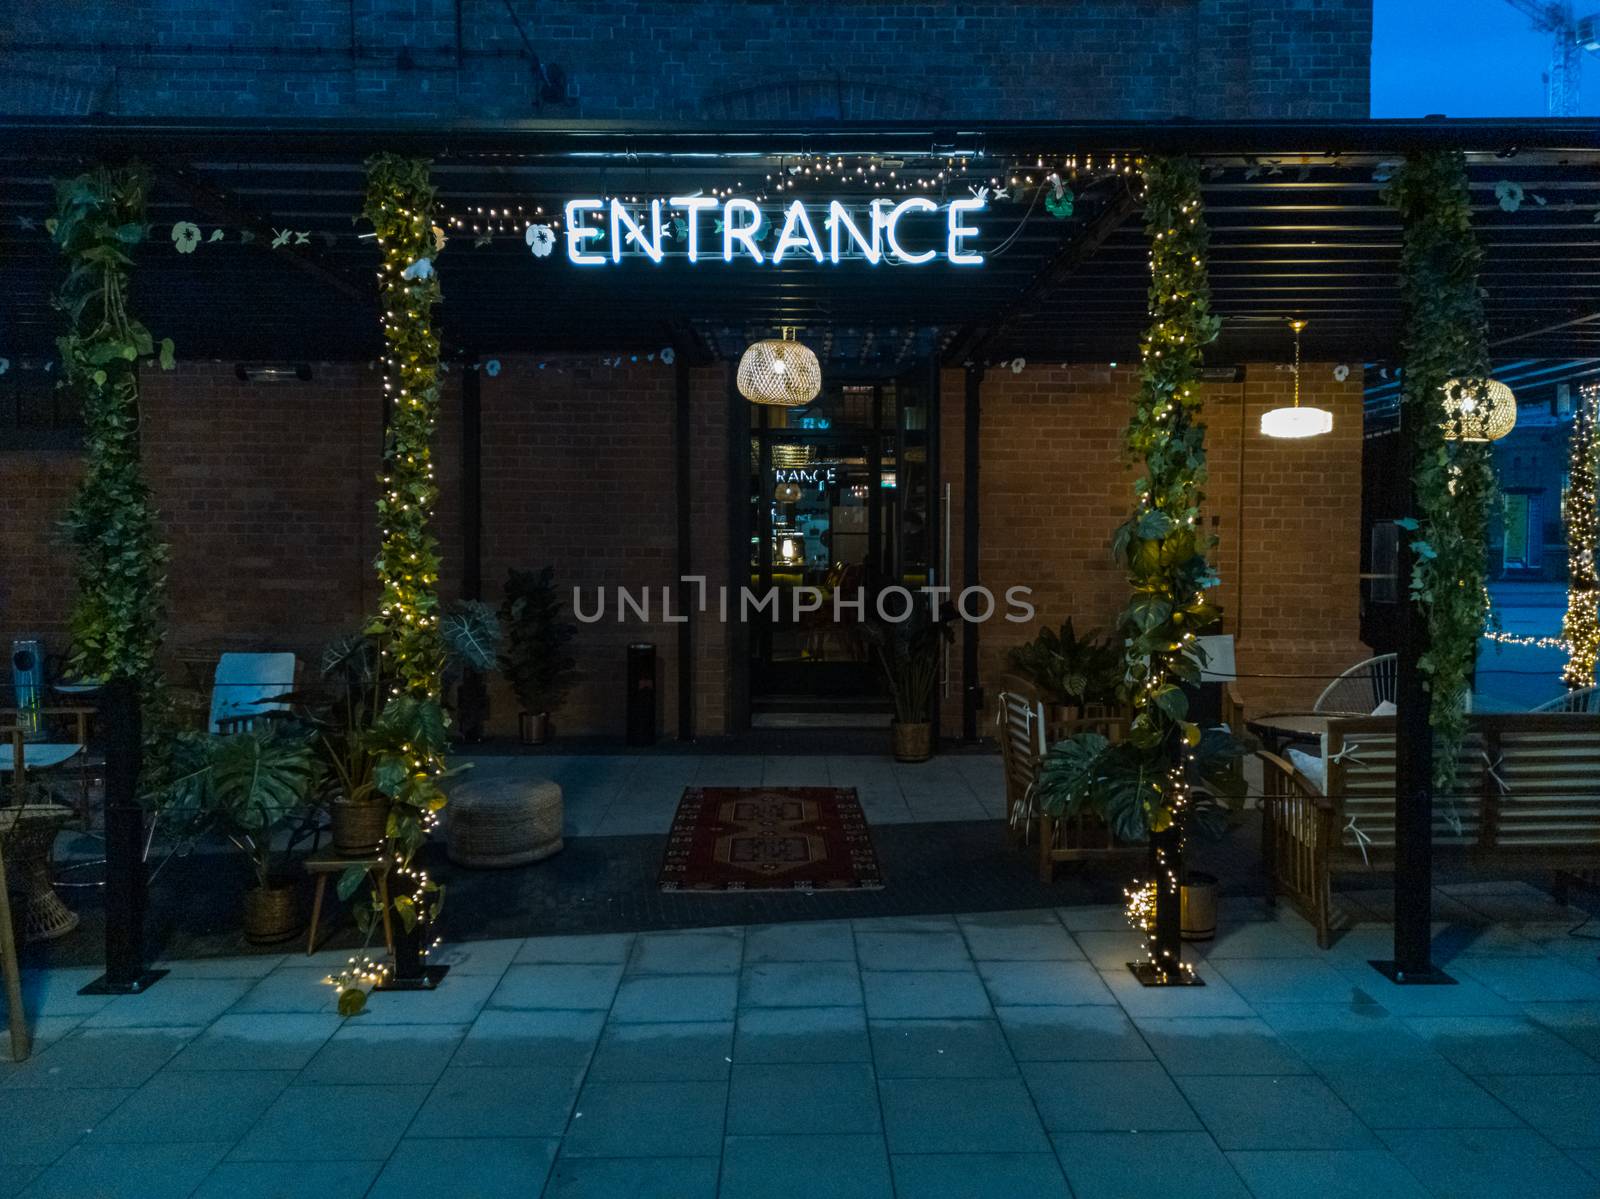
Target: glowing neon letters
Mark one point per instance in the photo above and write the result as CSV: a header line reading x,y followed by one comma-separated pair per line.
x,y
908,232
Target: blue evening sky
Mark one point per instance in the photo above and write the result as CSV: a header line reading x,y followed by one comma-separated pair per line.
x,y
1466,58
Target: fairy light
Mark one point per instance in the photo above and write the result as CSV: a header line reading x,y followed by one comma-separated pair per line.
x,y
401,206
1580,626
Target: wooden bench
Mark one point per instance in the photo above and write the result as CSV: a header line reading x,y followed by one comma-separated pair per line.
x,y
1527,796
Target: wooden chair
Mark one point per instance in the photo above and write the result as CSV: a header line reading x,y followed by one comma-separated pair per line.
x,y
1026,730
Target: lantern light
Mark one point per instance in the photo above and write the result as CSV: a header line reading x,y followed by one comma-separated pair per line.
x,y
1478,410
1296,421
780,372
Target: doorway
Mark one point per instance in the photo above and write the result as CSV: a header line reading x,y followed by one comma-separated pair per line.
x,y
840,503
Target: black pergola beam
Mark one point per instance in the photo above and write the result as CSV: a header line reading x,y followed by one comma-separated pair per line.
x,y
264,140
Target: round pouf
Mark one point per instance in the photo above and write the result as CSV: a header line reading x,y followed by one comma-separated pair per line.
x,y
503,822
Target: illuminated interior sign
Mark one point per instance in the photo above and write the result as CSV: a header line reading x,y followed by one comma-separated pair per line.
x,y
911,231
819,476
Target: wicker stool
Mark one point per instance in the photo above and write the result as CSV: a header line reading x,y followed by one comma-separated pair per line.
x,y
29,833
504,822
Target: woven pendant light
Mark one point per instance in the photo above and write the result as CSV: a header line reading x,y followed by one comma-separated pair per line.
x,y
1478,410
1296,421
780,372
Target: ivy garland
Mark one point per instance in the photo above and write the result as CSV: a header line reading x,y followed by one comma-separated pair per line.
x,y
1580,626
1163,543
1445,338
112,522
400,204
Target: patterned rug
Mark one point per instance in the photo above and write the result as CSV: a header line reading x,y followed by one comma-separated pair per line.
x,y
769,839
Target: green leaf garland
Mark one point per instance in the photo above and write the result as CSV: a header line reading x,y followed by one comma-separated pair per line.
x,y
1445,338
113,524
1162,544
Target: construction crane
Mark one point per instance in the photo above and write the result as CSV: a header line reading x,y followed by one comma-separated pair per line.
x,y
1564,80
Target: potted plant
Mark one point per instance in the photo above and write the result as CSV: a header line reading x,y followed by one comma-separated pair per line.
x,y
471,632
1073,672
907,653
1087,772
249,786
535,659
357,728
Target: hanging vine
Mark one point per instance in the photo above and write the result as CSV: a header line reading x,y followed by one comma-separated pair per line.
x,y
113,524
1445,338
1580,627
400,205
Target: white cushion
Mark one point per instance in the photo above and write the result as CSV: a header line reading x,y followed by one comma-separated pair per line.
x,y
1313,766
1386,708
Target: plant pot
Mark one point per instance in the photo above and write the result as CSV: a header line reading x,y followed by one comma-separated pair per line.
x,y
912,742
359,828
1199,907
534,728
271,914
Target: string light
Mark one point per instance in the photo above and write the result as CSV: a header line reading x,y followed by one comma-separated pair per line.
x,y
1580,626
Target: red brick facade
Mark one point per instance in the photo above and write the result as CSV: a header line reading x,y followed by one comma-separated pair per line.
x,y
266,493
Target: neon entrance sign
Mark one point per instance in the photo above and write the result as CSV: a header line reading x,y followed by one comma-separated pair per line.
x,y
908,232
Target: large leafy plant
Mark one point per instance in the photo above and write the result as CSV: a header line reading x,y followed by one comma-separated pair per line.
x,y
117,615
1118,782
535,659
1070,669
246,785
1445,338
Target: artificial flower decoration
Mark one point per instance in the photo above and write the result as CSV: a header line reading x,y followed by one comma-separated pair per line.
x,y
669,355
541,240
1509,194
5,365
492,367
1017,365
186,236
216,235
1341,372
1060,200
438,238
422,268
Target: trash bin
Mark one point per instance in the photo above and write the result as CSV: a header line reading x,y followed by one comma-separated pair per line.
x,y
27,685
641,694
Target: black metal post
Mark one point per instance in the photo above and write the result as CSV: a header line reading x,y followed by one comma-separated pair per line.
x,y
1413,768
685,598
972,689
739,533
1165,967
126,889
935,524
472,696
411,972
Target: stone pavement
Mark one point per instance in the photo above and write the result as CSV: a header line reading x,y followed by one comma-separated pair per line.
x,y
1005,1054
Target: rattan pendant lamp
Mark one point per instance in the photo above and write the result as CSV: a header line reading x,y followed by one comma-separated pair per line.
x,y
779,371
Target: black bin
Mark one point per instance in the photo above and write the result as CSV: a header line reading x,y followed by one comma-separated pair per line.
x,y
641,694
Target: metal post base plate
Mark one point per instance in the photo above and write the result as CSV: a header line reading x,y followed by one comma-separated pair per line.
x,y
1431,977
427,981
104,986
1150,975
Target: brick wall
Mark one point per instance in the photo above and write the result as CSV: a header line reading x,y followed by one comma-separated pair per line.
x,y
266,495
1053,491
690,59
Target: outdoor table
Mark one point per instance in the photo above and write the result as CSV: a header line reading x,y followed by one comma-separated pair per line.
x,y
1278,729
